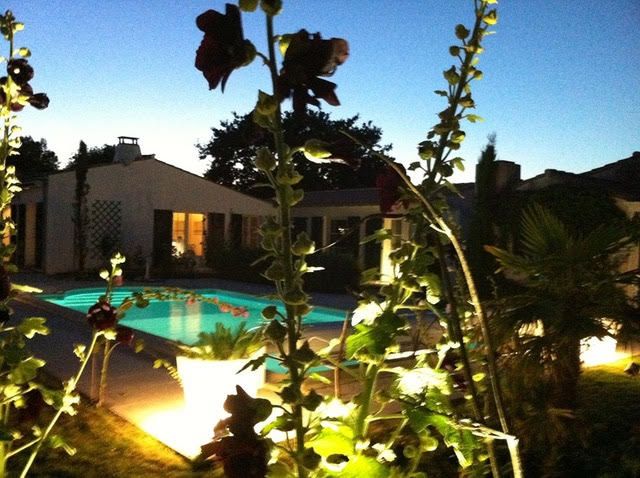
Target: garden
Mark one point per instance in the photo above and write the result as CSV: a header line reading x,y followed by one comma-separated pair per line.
x,y
472,355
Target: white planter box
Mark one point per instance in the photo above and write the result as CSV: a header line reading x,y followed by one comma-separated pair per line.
x,y
206,384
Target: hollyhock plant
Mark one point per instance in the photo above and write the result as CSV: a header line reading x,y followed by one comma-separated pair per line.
x,y
223,48
307,57
102,315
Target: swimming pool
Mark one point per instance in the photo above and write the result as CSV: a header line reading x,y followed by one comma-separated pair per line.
x,y
180,321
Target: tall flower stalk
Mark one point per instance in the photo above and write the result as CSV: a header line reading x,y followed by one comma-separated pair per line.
x,y
325,436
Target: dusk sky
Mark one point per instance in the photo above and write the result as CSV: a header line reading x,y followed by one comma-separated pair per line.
x,y
561,85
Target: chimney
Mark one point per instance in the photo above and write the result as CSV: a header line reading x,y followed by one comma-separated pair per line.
x,y
127,150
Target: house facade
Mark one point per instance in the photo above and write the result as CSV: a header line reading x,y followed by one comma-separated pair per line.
x,y
143,206
150,209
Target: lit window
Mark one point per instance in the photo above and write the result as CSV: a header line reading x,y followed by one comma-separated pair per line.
x,y
188,233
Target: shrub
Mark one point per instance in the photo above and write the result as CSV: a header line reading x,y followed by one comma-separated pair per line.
x,y
341,272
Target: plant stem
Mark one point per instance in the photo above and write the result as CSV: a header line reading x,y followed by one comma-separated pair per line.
x,y
106,354
361,425
68,390
284,211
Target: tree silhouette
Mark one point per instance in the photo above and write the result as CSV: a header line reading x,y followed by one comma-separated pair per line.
x,y
94,156
80,214
232,149
35,159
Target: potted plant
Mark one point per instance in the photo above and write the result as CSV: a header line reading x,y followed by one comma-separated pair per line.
x,y
210,369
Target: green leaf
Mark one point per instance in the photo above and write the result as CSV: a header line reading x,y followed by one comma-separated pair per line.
x,y
374,339
491,18
475,118
458,163
364,466
451,75
441,93
32,326
334,442
56,441
26,370
79,350
25,288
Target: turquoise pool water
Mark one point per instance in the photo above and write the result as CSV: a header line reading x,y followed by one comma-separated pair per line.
x,y
179,321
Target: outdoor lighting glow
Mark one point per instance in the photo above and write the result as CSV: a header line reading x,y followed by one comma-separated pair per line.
x,y
207,383
596,351
177,427
186,425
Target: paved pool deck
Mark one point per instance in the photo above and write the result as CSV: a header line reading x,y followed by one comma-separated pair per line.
x,y
144,396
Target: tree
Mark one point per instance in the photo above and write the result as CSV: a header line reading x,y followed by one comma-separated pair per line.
x,y
567,287
80,214
233,146
34,160
483,219
94,156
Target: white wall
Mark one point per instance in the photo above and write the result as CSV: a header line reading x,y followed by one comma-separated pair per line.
x,y
142,186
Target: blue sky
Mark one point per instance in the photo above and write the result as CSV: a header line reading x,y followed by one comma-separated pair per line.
x,y
561,86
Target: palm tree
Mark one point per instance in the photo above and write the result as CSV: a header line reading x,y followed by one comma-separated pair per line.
x,y
570,289
567,287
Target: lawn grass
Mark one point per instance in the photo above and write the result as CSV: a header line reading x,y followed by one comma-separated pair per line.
x,y
610,411
107,446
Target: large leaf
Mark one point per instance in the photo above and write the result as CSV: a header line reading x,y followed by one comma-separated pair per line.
x,y
333,442
364,466
32,326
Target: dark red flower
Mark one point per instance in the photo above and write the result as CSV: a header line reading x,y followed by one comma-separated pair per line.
x,y
223,48
388,183
102,316
20,71
124,335
37,100
307,57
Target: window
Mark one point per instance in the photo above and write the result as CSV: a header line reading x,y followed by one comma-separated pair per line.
x,y
188,233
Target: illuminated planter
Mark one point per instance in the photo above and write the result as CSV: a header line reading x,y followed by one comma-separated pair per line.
x,y
206,384
595,351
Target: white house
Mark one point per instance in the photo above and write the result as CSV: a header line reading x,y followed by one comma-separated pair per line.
x,y
144,206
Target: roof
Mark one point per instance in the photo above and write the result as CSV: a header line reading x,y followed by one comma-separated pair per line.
x,y
341,197
621,178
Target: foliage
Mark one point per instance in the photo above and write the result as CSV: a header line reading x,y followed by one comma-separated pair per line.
x,y
340,272
34,160
568,288
80,215
224,343
233,147
19,385
105,445
581,208
329,437
94,156
482,229
235,263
